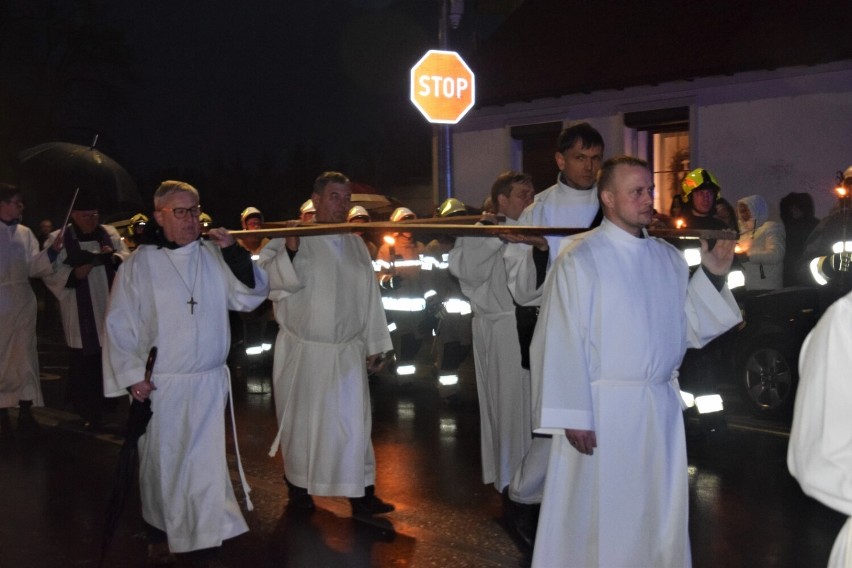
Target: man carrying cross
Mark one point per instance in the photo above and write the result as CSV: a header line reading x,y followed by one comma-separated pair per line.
x,y
175,294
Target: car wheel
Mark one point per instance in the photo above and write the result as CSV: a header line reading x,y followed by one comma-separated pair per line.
x,y
768,376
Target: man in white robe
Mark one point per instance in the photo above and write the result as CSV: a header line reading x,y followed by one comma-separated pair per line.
x,y
571,202
20,260
332,330
619,311
502,383
81,279
175,295
819,455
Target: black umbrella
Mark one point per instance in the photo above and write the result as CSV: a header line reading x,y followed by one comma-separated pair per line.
x,y
50,173
137,422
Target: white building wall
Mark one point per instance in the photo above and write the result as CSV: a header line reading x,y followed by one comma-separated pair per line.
x,y
478,158
775,146
768,132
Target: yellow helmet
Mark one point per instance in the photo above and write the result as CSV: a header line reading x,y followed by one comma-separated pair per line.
x,y
699,178
205,220
307,207
137,224
402,214
451,207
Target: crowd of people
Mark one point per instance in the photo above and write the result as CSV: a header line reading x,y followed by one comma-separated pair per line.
x,y
576,343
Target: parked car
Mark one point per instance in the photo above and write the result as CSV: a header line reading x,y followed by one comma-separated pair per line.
x,y
763,352
761,355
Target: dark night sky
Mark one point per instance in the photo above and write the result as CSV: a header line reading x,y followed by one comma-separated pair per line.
x,y
251,97
219,80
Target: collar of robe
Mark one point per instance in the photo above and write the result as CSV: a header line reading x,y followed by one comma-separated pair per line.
x,y
623,236
10,223
171,245
564,182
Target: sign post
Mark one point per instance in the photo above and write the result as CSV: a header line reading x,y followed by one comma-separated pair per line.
x,y
443,89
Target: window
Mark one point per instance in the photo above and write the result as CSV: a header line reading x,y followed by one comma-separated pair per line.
x,y
661,137
538,147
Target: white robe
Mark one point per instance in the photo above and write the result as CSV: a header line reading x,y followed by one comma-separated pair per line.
x,y
618,315
557,206
184,481
819,454
502,384
20,260
98,286
329,310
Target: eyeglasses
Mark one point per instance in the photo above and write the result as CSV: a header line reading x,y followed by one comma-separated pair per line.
x,y
180,212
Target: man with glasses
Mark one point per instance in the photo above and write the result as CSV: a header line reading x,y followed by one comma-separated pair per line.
x,y
175,294
81,279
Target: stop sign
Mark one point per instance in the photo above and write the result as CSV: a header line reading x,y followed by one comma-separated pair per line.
x,y
442,86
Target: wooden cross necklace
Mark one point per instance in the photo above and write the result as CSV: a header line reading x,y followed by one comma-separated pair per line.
x,y
191,302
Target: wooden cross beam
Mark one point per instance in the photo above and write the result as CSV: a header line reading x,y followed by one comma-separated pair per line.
x,y
460,230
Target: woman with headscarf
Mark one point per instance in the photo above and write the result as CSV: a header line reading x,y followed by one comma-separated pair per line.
x,y
761,245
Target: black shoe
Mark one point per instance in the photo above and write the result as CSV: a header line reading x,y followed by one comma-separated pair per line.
x,y
525,521
299,499
160,555
5,421
205,558
508,509
369,504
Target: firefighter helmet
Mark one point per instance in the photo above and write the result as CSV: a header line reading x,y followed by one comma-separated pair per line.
x,y
137,224
250,212
699,178
357,213
402,214
451,207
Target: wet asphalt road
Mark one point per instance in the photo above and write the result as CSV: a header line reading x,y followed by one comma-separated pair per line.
x,y
745,508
